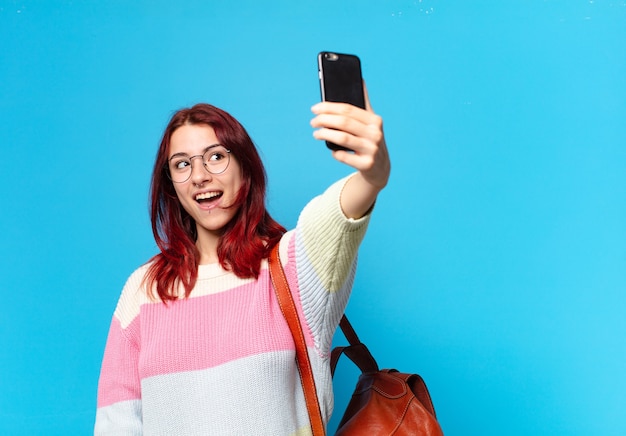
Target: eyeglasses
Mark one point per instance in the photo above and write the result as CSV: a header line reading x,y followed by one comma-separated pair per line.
x,y
215,160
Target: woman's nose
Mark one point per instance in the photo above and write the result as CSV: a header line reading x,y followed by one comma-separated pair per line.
x,y
199,174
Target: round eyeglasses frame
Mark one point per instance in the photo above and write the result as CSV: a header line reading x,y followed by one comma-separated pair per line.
x,y
189,160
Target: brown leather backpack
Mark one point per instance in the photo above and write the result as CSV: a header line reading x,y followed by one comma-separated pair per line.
x,y
384,402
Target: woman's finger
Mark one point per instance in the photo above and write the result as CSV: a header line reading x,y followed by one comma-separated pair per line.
x,y
343,109
368,105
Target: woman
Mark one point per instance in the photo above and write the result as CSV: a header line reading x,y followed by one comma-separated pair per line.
x,y
198,344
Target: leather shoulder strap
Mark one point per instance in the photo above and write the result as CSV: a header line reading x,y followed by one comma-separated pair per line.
x,y
356,351
288,307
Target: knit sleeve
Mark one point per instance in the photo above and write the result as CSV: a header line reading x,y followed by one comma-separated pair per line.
x,y
119,387
325,250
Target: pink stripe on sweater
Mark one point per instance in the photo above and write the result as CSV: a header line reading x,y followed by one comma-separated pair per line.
x,y
119,380
207,331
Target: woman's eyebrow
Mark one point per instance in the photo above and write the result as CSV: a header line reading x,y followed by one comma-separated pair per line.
x,y
181,154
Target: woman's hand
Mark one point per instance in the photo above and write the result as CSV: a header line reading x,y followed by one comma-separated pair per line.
x,y
362,132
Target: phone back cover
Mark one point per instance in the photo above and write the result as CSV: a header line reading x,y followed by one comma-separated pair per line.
x,y
342,80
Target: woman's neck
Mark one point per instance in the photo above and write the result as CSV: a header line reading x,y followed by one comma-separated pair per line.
x,y
207,243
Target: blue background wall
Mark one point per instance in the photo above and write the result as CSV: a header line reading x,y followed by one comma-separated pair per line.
x,y
495,264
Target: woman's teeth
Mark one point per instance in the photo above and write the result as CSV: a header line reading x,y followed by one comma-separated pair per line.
x,y
207,196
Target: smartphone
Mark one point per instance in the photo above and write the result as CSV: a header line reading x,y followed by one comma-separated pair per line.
x,y
340,81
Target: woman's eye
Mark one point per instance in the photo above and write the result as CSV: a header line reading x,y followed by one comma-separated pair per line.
x,y
181,164
216,156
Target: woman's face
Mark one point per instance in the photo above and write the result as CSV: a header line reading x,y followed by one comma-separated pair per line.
x,y
205,196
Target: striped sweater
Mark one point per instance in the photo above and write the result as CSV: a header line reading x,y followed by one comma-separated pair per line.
x,y
222,362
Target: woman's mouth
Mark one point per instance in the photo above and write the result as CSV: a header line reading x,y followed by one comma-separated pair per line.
x,y
208,197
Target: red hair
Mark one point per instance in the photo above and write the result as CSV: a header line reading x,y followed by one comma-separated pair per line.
x,y
246,239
